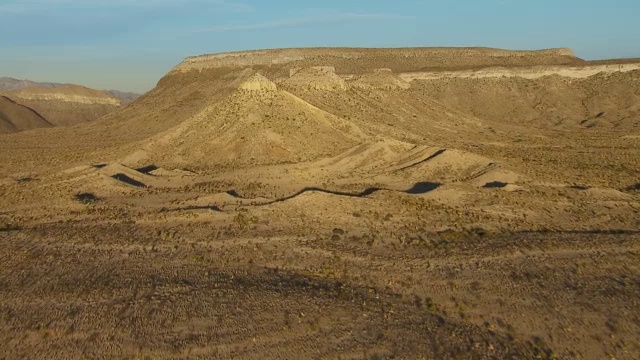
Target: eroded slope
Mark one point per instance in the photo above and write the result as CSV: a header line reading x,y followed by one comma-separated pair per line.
x,y
67,104
15,117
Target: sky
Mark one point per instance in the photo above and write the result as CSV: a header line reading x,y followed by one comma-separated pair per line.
x,y
130,44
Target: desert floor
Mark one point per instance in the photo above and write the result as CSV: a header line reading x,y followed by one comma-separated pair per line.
x,y
267,213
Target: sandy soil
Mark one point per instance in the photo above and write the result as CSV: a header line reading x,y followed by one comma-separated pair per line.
x,y
288,211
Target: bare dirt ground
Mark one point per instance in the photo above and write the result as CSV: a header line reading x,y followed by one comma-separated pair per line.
x,y
292,210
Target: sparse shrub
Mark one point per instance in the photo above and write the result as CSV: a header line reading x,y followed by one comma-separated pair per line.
x,y
86,198
8,227
243,220
430,305
479,231
418,302
338,231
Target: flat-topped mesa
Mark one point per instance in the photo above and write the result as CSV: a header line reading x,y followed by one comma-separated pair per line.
x,y
70,99
67,93
399,59
258,82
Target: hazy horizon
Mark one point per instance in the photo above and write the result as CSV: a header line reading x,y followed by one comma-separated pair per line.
x,y
129,45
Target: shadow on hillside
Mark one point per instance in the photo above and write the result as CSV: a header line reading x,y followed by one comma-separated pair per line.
x,y
495,185
213,208
416,189
129,181
433,156
147,169
422,188
579,187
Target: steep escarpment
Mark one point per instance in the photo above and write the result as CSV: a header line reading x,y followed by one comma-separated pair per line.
x,y
359,60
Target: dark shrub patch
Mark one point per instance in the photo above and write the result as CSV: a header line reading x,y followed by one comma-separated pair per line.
x,y
86,198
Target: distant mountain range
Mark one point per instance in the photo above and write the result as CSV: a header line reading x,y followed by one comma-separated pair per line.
x,y
10,84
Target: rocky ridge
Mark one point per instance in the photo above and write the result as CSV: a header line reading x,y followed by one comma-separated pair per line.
x,y
67,93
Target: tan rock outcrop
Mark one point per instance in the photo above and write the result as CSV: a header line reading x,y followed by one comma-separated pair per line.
x,y
70,98
383,79
317,78
258,82
67,93
577,72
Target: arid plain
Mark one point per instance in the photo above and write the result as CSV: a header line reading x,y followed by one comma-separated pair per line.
x,y
418,203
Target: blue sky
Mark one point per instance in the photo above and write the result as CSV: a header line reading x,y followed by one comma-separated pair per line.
x,y
130,44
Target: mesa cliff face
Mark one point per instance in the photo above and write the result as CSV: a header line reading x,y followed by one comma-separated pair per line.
x,y
346,60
